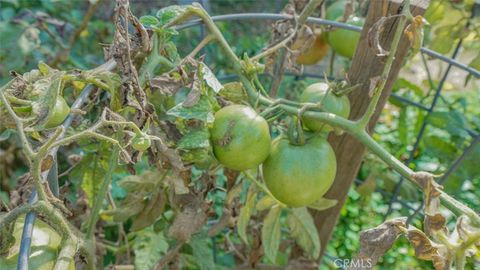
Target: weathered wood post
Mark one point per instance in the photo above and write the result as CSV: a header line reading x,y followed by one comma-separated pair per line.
x,y
365,65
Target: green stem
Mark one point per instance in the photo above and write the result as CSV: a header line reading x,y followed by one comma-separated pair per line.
x,y
353,128
66,256
377,92
262,187
18,122
99,200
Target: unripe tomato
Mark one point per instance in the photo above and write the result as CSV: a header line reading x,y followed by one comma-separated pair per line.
x,y
59,113
141,142
344,41
315,53
44,248
300,175
240,137
339,105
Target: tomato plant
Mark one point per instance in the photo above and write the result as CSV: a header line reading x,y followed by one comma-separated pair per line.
x,y
46,244
240,137
321,93
299,175
314,53
141,142
58,114
168,160
344,42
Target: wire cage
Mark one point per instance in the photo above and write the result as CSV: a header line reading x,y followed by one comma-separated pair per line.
x,y
52,176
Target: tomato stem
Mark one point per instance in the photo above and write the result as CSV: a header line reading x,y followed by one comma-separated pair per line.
x,y
262,187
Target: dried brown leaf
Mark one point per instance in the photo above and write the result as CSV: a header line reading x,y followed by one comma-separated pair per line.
x,y
433,223
167,84
376,241
153,209
189,221
426,249
47,163
373,37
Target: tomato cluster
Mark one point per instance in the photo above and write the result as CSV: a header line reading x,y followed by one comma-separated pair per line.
x,y
297,174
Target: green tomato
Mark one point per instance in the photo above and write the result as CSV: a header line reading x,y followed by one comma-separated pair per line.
x,y
240,137
44,248
59,113
141,142
300,175
315,93
344,41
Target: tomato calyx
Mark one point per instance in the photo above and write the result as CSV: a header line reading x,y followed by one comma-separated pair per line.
x,y
141,142
295,133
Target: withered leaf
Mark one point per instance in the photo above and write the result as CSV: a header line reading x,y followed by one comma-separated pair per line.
x,y
425,249
376,241
434,223
196,91
189,221
373,37
431,191
374,81
149,214
167,84
47,163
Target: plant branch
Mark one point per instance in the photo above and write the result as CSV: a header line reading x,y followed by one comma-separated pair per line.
x,y
353,128
101,196
66,255
380,85
309,9
262,187
18,122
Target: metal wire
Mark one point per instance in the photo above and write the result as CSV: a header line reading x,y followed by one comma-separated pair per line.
x,y
26,240
318,21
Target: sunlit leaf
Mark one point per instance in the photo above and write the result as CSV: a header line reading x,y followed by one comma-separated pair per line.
x,y
245,213
271,233
302,228
149,247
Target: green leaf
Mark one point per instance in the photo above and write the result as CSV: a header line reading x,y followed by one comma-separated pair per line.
x,y
202,110
234,91
149,21
303,229
201,252
452,121
323,204
403,126
45,92
245,214
170,13
265,203
199,138
92,179
149,247
271,233
405,84
210,78
107,81
6,134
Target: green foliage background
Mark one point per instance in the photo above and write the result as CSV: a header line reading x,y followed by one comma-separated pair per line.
x,y
36,30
